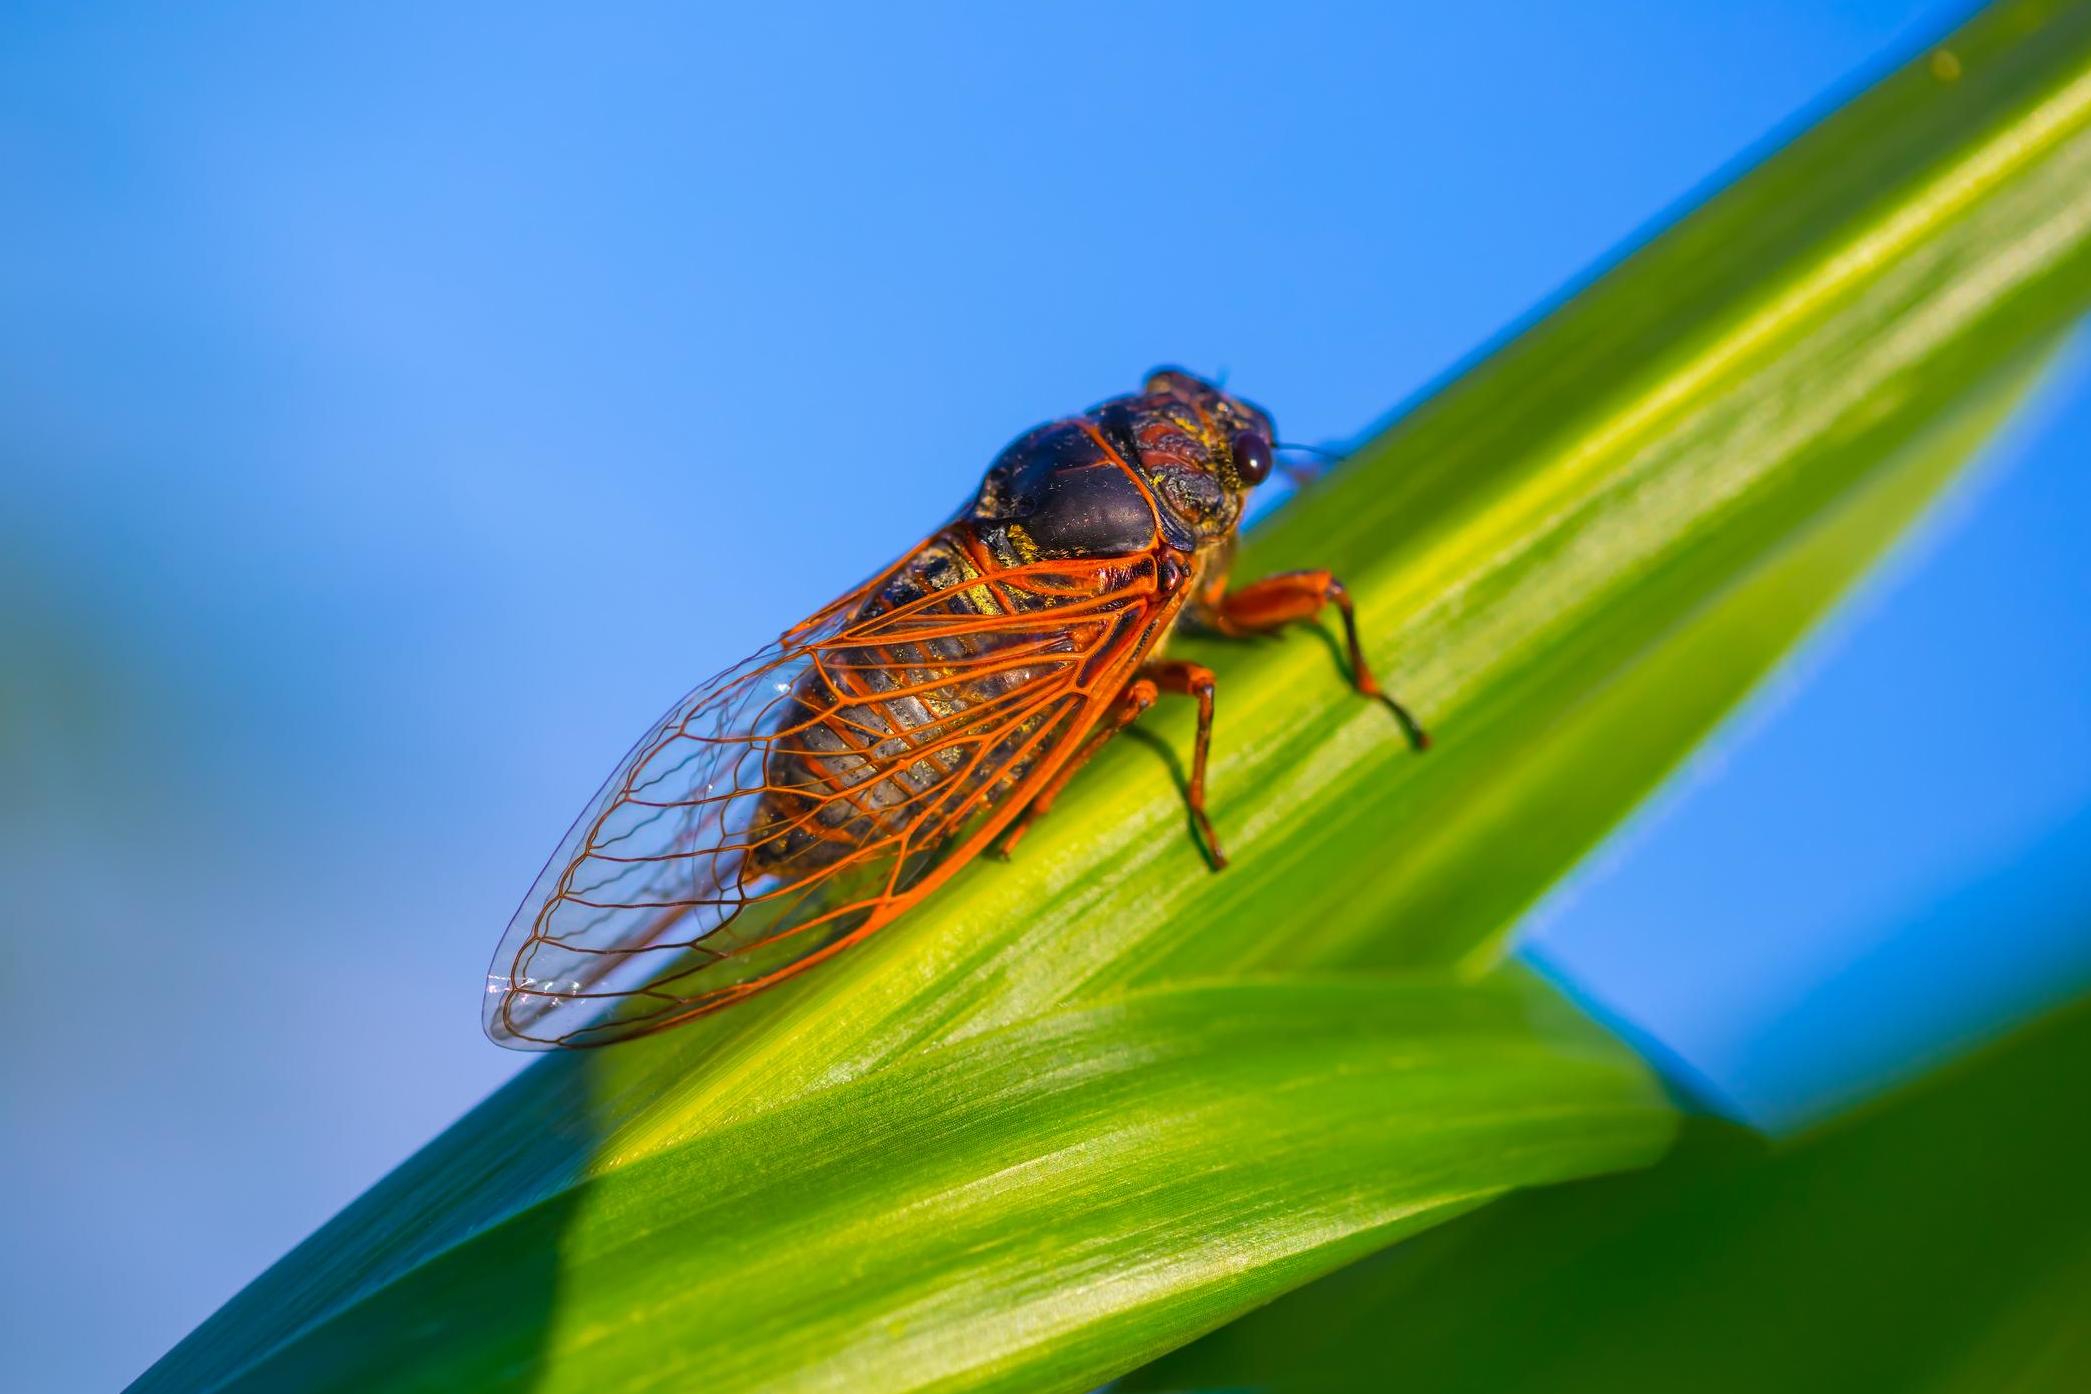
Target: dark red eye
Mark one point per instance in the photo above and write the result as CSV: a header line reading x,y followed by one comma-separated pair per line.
x,y
1252,457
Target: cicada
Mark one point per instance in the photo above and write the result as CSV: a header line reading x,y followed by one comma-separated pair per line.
x,y
812,793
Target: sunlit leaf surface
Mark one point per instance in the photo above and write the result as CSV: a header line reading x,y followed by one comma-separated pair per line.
x,y
1088,1180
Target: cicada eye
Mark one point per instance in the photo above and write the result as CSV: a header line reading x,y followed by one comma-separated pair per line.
x,y
1252,457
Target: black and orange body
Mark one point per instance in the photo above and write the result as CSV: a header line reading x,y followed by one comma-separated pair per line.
x,y
812,793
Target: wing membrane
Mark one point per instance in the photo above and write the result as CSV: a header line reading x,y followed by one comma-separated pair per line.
x,y
807,795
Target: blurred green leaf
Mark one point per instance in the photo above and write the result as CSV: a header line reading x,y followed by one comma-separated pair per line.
x,y
1937,1243
1572,560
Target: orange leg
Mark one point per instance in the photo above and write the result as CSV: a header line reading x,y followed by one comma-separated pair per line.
x,y
1138,696
1183,679
1193,680
1276,601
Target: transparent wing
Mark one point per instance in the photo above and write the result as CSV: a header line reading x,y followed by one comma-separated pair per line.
x,y
807,795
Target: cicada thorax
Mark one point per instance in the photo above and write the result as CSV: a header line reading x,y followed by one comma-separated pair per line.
x,y
962,669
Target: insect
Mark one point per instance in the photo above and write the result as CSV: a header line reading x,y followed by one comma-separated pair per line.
x,y
814,792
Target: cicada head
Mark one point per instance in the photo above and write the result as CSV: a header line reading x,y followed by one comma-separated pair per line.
x,y
1201,450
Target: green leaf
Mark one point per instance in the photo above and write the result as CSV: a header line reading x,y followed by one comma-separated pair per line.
x,y
1086,1184
1572,561
1939,1242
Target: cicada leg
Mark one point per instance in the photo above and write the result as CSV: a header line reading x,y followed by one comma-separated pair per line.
x,y
1137,697
1257,608
1276,601
1182,679
1193,680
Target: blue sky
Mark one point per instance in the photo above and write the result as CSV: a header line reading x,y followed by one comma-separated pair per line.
x,y
398,407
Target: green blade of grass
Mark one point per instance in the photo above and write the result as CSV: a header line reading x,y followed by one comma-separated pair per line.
x,y
1069,1190
1572,561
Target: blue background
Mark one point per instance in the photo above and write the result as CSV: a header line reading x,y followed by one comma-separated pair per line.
x,y
398,407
